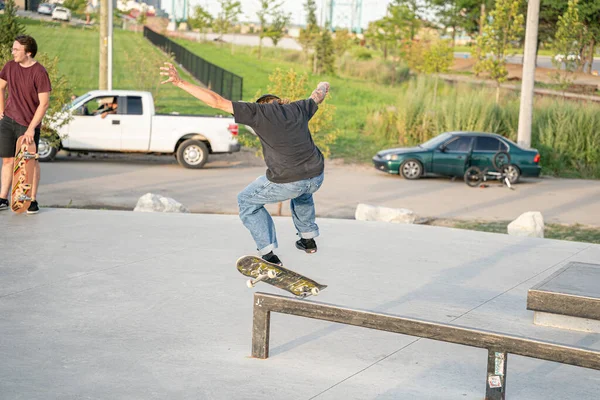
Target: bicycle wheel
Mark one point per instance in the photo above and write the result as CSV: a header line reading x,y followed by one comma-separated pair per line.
x,y
473,176
500,160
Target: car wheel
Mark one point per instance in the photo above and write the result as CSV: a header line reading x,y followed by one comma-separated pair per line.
x,y
192,154
512,173
411,169
46,151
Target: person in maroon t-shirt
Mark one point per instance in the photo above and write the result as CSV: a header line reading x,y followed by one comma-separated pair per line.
x,y
21,115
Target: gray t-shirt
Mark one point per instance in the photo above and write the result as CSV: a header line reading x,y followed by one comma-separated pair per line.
x,y
290,153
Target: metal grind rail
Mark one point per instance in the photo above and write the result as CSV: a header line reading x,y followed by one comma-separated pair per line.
x,y
498,345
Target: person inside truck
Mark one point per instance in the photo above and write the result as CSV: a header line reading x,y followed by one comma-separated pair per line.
x,y
108,106
112,109
295,165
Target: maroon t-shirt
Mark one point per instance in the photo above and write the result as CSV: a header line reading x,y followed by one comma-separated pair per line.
x,y
24,84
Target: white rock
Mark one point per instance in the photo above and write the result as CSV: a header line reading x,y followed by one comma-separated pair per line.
x,y
366,212
155,203
529,224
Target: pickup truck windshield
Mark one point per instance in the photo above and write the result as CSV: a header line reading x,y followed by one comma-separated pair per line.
x,y
77,100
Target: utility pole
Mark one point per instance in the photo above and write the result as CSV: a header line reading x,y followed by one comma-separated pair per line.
x,y
103,75
110,45
526,110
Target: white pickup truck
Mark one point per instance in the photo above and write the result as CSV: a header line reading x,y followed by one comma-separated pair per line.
x,y
125,121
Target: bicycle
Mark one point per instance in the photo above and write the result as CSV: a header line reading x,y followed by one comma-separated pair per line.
x,y
474,176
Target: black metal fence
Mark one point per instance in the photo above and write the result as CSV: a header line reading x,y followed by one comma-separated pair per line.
x,y
498,345
215,78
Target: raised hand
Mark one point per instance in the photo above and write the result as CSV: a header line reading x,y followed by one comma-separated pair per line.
x,y
171,72
318,95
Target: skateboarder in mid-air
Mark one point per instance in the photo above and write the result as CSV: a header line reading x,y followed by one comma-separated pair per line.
x,y
295,165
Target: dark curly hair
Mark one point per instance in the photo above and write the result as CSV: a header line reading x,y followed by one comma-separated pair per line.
x,y
271,98
29,43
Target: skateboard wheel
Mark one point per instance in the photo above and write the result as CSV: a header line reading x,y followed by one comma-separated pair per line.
x,y
315,291
249,283
271,274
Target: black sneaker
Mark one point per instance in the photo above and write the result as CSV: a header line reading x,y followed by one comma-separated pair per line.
x,y
3,204
308,245
33,208
272,258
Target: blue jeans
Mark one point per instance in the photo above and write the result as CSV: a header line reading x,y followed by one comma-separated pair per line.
x,y
257,219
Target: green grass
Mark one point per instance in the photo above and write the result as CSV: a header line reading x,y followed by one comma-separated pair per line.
x,y
566,133
574,233
78,50
354,98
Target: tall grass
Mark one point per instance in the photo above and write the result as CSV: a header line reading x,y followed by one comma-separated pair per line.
x,y
382,72
567,134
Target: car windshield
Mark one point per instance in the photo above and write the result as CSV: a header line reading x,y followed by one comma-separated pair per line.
x,y
436,141
76,101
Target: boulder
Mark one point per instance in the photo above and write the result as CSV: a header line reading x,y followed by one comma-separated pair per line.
x,y
530,224
366,212
156,203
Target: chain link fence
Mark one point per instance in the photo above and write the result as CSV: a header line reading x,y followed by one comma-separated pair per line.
x,y
217,79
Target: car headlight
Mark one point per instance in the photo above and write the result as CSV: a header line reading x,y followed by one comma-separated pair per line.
x,y
390,157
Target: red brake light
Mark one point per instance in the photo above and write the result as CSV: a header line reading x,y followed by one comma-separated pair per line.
x,y
233,129
536,159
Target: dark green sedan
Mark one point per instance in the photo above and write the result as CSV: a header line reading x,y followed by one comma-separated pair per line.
x,y
451,153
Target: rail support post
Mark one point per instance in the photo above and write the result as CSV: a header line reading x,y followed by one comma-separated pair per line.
x,y
261,327
495,387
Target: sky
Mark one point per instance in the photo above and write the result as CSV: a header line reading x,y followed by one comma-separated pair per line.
x,y
371,9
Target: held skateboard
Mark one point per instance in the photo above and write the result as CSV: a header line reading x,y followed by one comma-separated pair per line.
x,y
22,181
260,270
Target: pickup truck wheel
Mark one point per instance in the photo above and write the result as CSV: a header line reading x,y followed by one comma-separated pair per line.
x,y
192,154
46,151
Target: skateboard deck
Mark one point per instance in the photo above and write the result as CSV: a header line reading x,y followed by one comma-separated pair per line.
x,y
261,271
22,181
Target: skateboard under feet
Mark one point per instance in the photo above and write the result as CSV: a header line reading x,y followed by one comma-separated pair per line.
x,y
259,270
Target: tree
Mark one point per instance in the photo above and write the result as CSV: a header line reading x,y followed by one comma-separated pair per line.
x,y
263,14
277,29
505,26
408,12
310,34
201,20
274,30
10,28
457,15
325,54
569,40
589,16
437,59
227,18
388,32
341,41
589,13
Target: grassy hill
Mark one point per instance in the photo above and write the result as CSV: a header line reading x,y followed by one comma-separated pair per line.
x,y
369,116
135,63
78,50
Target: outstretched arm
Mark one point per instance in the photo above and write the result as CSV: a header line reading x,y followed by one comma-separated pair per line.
x,y
318,95
209,97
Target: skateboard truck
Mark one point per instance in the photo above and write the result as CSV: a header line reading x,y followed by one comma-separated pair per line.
x,y
23,198
261,277
28,156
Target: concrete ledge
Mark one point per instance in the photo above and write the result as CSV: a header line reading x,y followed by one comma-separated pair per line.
x,y
574,290
566,322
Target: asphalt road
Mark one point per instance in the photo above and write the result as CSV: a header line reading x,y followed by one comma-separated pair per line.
x,y
118,181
